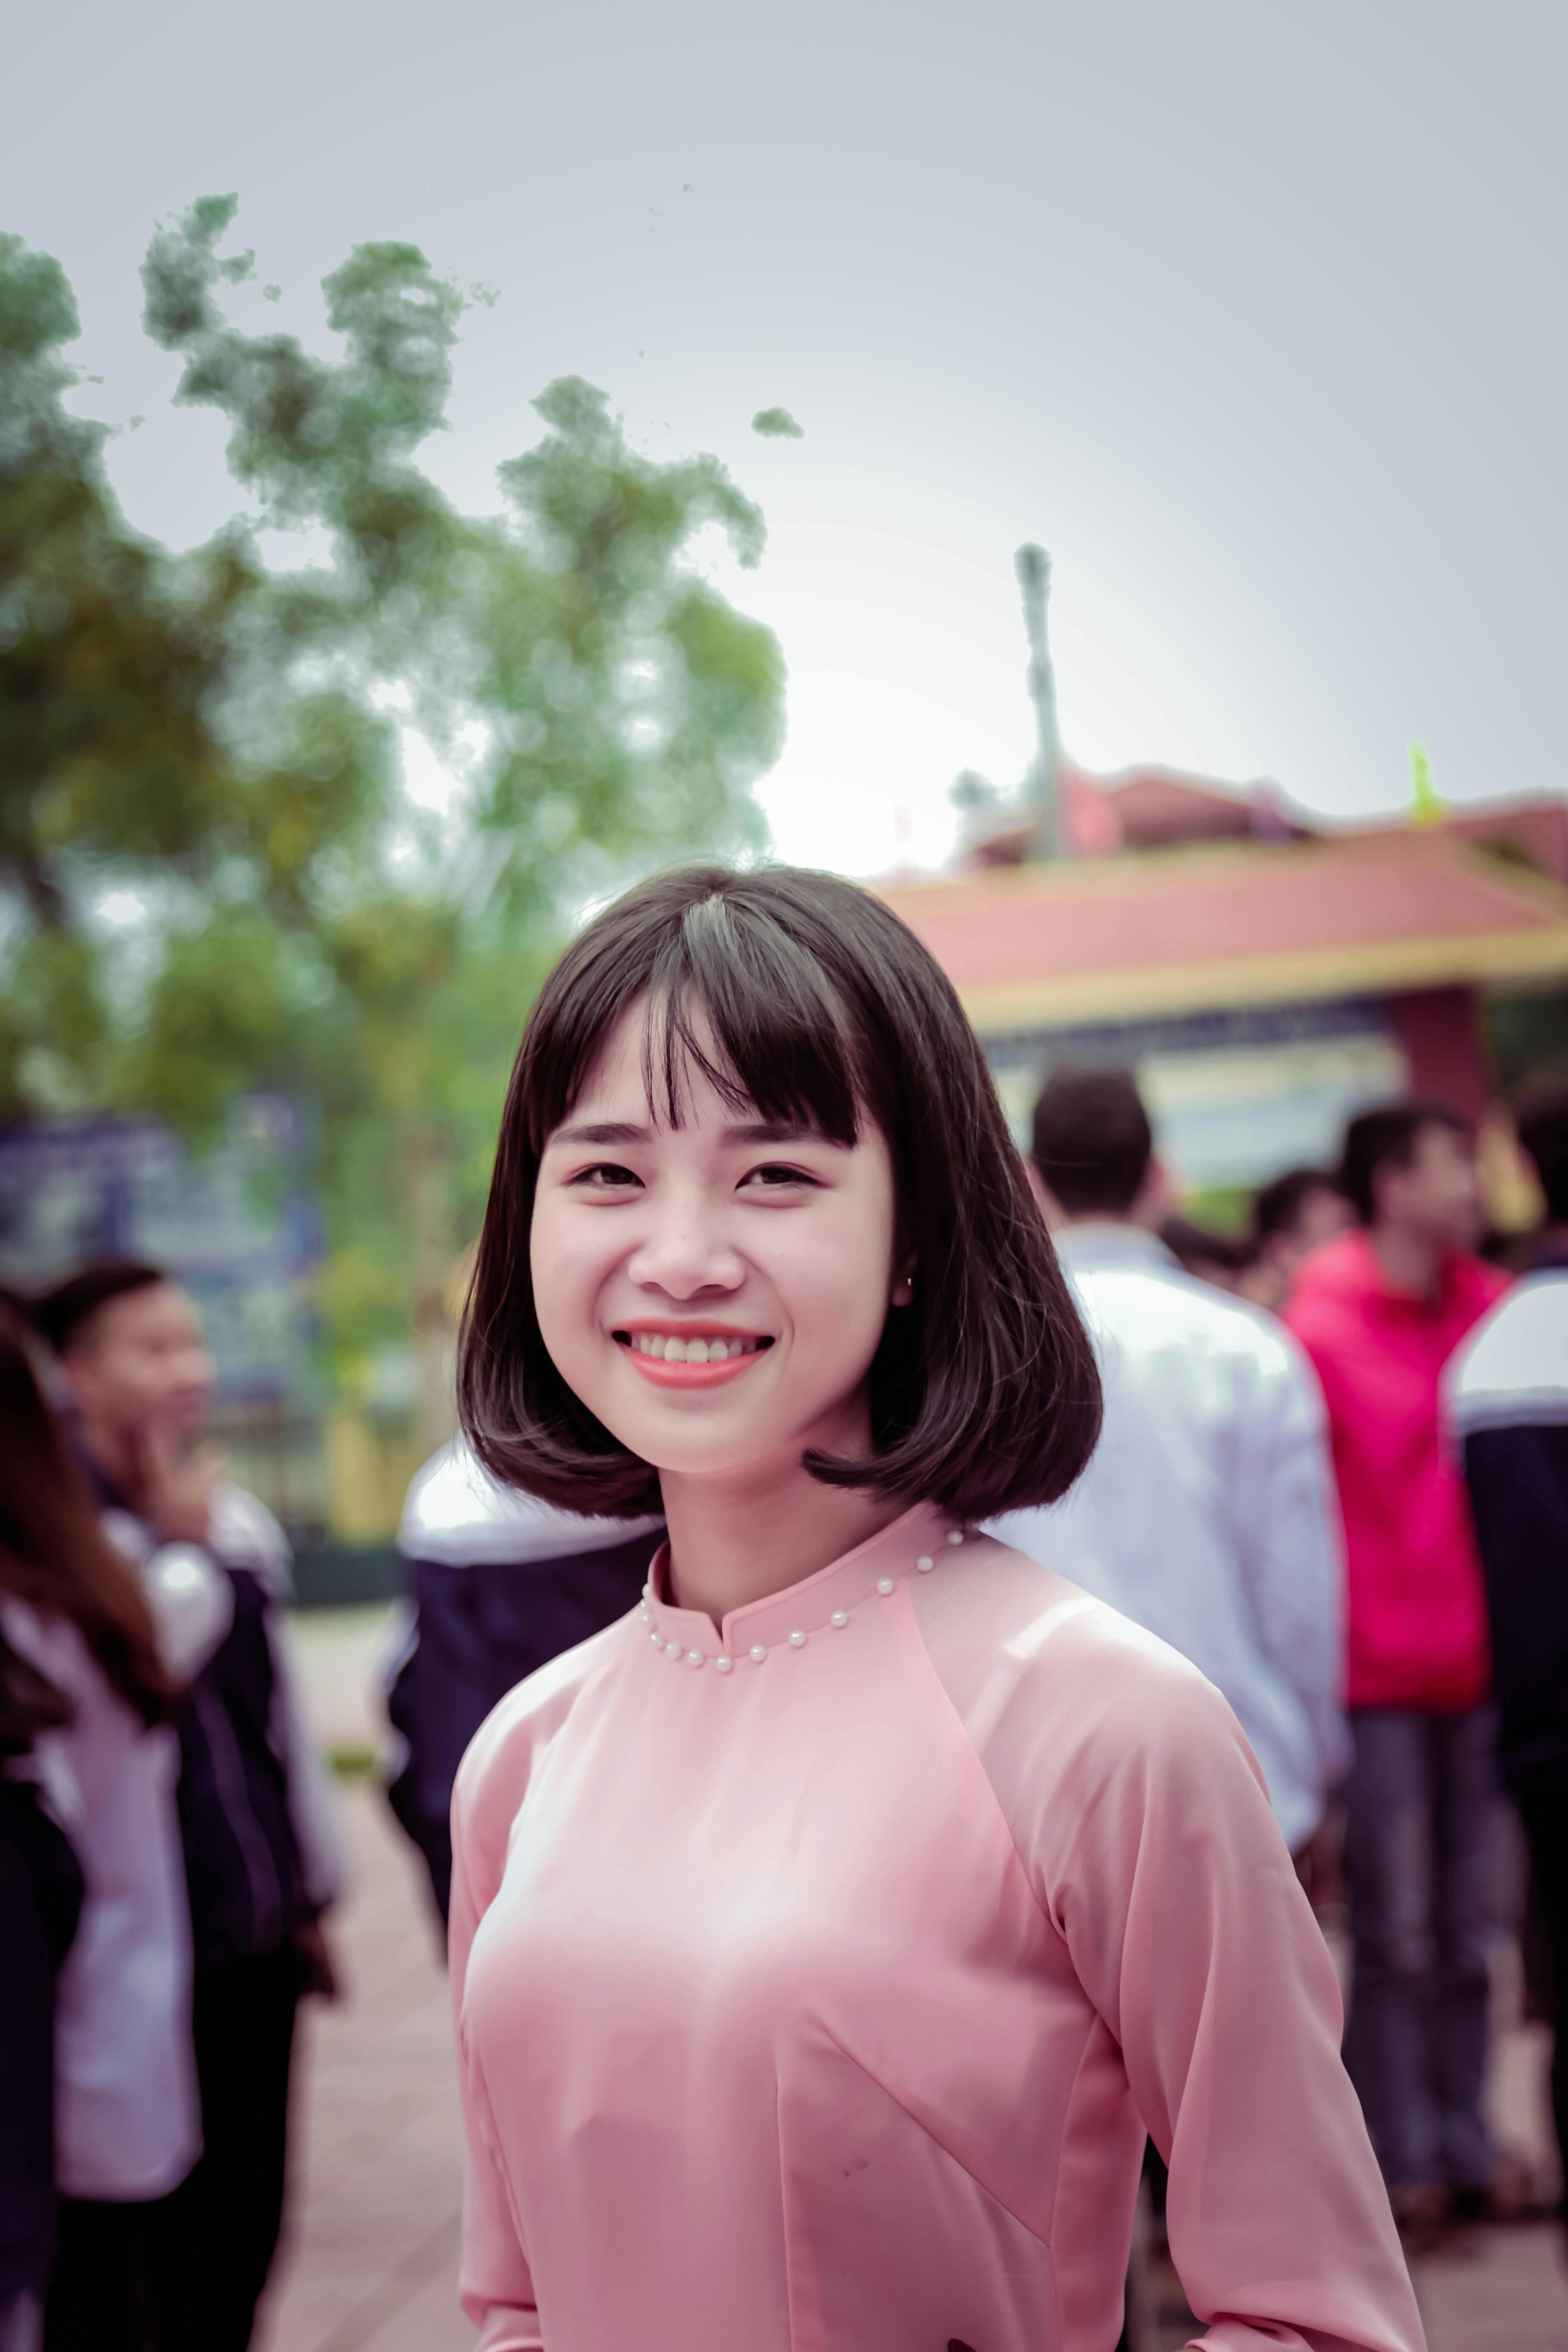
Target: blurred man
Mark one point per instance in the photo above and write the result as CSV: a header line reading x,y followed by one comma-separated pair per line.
x,y
261,1860
1379,1311
1509,1401
1208,1511
497,1583
1291,1217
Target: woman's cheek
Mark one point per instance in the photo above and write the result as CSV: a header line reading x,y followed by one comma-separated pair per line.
x,y
840,1318
560,1293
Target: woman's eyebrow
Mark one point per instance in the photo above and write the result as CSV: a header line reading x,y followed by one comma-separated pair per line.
x,y
611,1131
772,1130
600,1135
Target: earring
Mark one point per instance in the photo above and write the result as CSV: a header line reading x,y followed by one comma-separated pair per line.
x,y
904,1295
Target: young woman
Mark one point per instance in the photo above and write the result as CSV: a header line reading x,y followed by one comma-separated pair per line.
x,y
828,1933
114,1650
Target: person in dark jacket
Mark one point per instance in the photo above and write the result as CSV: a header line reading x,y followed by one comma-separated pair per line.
x,y
497,1583
261,1862
41,1889
1509,1402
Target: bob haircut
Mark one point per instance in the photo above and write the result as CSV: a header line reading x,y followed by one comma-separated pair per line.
x,y
825,1012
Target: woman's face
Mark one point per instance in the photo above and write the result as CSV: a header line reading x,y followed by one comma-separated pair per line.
x,y
714,1293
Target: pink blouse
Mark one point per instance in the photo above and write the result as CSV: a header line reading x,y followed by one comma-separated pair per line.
x,y
815,1982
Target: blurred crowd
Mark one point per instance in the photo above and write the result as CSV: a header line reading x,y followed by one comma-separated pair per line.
x,y
1334,1473
168,1855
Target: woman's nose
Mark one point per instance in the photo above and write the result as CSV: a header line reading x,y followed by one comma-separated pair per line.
x,y
682,1252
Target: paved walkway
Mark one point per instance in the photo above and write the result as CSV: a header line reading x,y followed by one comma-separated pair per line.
x,y
370,2265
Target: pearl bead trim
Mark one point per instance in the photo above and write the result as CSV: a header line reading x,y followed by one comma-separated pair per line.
x,y
798,1638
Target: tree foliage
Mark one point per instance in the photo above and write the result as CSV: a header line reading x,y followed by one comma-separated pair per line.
x,y
211,876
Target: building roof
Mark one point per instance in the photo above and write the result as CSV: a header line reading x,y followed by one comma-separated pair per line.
x,y
1148,807
1164,808
1189,929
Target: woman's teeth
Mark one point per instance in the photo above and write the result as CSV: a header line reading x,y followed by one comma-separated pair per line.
x,y
691,1352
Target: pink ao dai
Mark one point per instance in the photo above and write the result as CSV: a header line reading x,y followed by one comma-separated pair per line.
x,y
818,2000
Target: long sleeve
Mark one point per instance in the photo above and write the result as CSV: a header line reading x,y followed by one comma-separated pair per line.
x,y
246,1536
494,2283
1507,1404
438,1697
191,1599
192,1603
312,1806
1151,1845
1288,1527
127,2121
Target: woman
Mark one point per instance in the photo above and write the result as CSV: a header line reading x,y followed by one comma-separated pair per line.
x,y
826,1933
116,1649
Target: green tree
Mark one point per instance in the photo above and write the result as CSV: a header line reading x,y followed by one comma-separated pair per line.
x,y
122,671
216,739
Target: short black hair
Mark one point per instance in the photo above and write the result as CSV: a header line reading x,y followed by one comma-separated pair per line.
x,y
1277,1205
1388,1135
59,1314
1093,1140
1541,1121
824,1009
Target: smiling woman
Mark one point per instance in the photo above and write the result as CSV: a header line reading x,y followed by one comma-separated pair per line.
x,y
722,1058
826,1934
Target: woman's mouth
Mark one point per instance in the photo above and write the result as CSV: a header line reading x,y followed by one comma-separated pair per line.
x,y
688,1360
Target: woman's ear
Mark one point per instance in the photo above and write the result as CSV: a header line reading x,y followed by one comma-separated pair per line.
x,y
904,1284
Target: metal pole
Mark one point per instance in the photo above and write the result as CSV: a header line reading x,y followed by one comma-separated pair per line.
x,y
1042,787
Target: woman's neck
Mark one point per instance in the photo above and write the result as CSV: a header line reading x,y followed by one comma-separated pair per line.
x,y
738,1539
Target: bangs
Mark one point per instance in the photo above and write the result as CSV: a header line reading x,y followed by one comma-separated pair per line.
x,y
735,1001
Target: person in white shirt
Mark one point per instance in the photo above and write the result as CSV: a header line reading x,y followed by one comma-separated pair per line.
x,y
1207,1512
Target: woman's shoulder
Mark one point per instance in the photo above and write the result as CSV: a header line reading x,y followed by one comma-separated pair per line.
x,y
1087,1728
1013,1639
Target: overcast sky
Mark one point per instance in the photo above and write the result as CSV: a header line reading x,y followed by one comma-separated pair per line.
x,y
1252,314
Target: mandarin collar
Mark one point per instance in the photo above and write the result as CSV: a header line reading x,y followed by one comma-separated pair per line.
x,y
912,1545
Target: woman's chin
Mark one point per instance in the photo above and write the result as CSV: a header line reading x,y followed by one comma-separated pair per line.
x,y
721,1465
719,1455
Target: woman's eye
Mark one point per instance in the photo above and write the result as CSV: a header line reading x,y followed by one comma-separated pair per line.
x,y
776,1178
605,1177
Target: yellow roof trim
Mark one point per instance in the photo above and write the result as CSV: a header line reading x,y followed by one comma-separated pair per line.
x,y
1145,991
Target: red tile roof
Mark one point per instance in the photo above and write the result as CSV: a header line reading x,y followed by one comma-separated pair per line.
x,y
1246,922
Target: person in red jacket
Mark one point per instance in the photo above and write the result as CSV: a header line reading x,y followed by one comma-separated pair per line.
x,y
1380,1310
